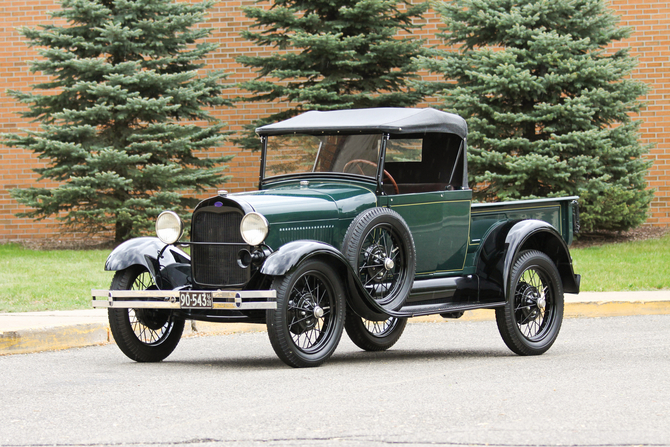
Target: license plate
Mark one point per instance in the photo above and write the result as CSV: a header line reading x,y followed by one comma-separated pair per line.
x,y
195,300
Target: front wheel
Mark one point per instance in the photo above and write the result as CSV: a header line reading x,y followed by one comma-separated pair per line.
x,y
307,325
144,335
374,335
530,321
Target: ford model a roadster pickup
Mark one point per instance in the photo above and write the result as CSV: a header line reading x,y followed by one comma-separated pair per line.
x,y
363,218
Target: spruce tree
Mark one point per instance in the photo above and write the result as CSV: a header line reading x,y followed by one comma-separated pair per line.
x,y
332,54
119,114
548,104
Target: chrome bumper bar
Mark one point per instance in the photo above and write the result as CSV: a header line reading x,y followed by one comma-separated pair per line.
x,y
175,299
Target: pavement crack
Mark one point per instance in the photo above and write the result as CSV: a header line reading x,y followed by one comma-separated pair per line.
x,y
363,439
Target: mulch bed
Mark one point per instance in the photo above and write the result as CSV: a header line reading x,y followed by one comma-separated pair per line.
x,y
67,244
609,237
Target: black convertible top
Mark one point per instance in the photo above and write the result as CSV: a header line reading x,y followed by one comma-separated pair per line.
x,y
391,120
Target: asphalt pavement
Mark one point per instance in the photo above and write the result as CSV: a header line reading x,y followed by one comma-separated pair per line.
x,y
604,383
28,332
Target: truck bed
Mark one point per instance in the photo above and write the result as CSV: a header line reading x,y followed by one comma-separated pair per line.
x,y
559,212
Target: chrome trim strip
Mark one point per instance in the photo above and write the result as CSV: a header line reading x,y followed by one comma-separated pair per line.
x,y
136,293
169,299
136,304
244,294
247,306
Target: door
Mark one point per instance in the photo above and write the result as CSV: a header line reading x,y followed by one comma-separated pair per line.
x,y
440,225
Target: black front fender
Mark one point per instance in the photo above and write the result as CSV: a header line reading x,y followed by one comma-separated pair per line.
x,y
168,271
288,257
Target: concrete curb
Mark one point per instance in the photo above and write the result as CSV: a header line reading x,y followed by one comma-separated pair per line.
x,y
53,338
47,331
78,335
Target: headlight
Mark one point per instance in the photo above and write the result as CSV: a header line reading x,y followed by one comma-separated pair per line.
x,y
254,228
169,227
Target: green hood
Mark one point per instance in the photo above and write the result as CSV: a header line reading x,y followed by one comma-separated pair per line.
x,y
318,201
320,211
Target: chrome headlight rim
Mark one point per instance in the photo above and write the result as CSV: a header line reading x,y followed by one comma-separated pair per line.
x,y
169,227
256,234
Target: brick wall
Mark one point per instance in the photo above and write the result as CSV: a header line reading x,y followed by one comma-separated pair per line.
x,y
650,42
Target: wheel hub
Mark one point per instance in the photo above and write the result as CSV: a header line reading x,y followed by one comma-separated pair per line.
x,y
531,303
305,313
379,263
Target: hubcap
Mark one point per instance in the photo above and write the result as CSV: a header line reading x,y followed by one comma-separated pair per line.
x,y
304,313
377,262
530,300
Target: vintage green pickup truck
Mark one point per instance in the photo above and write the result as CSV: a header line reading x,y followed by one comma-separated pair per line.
x,y
362,219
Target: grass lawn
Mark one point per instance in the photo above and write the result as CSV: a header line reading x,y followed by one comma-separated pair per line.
x,y
638,265
35,280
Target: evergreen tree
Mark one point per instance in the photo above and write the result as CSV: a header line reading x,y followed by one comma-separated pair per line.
x,y
332,54
548,104
118,114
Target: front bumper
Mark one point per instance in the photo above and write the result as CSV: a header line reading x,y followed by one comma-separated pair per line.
x,y
177,299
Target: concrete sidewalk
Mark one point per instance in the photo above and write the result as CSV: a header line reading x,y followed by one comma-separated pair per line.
x,y
28,332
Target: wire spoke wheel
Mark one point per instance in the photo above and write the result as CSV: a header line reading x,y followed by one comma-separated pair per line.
x,y
533,304
381,263
379,246
144,335
530,321
150,326
379,328
309,308
307,325
374,335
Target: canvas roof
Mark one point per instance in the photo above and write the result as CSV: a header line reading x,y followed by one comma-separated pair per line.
x,y
378,120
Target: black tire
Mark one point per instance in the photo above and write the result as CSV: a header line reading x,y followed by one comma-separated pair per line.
x,y
375,237
531,320
144,335
374,335
307,325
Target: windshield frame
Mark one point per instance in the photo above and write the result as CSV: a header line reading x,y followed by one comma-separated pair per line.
x,y
377,179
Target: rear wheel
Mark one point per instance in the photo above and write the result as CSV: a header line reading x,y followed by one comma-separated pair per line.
x,y
374,335
307,325
530,321
144,335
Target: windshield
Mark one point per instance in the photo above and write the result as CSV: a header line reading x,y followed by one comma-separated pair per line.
x,y
299,154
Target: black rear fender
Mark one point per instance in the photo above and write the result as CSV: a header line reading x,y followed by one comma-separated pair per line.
x,y
504,243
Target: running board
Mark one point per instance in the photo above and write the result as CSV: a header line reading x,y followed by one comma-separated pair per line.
x,y
417,310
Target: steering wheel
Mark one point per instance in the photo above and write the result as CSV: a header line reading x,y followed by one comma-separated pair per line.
x,y
368,162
